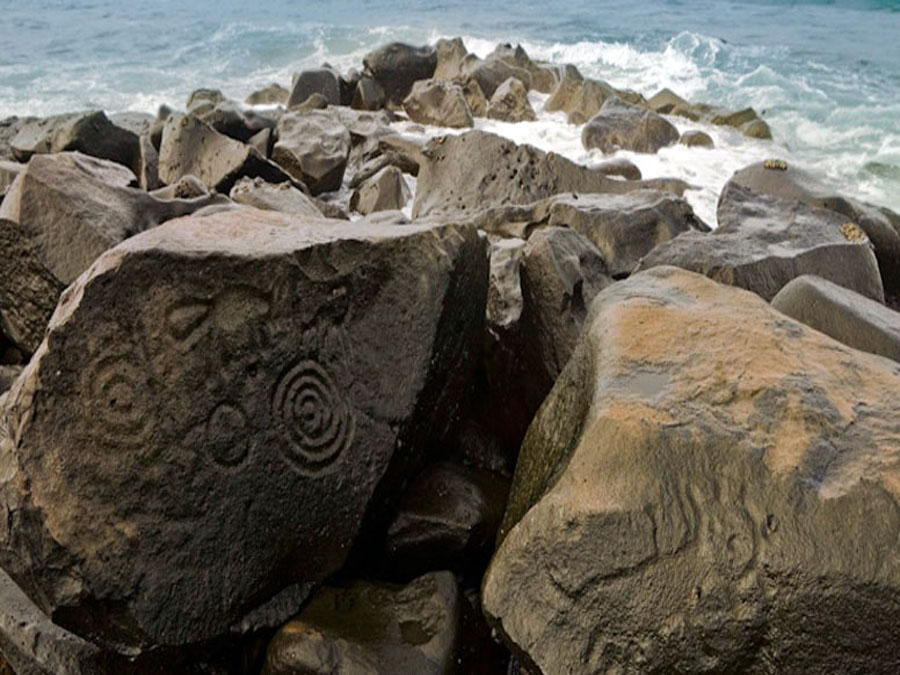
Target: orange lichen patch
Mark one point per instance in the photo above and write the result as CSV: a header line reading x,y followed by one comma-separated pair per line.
x,y
775,165
852,233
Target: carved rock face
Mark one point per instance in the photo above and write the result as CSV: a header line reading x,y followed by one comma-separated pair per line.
x,y
215,404
710,486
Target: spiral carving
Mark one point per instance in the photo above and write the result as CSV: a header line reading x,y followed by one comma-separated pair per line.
x,y
315,420
120,395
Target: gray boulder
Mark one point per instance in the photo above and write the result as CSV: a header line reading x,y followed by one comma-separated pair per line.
x,y
763,242
373,628
368,95
622,126
620,166
8,375
190,146
696,139
491,73
282,197
438,103
203,379
60,214
324,81
231,119
543,78
396,67
451,55
510,103
385,191
274,94
203,100
702,491
846,316
313,147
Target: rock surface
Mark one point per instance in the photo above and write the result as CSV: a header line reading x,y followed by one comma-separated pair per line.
x,y
763,242
385,191
203,379
510,103
313,147
372,628
282,197
680,513
397,66
61,213
438,103
323,81
846,316
622,126
274,94
696,139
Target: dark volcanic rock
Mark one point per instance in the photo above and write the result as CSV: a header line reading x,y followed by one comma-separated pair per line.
x,y
846,316
622,126
703,491
477,170
313,147
397,66
201,381
373,628
763,242
62,212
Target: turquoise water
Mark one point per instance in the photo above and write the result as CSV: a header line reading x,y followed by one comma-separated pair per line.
x,y
826,74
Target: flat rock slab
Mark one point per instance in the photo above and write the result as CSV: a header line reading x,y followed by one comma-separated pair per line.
x,y
711,486
764,242
217,400
846,316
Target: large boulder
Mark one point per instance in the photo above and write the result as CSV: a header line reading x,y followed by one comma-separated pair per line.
x,y
510,103
368,95
763,242
491,73
282,197
191,146
397,66
543,77
324,81
710,487
622,126
477,170
274,94
846,316
438,103
201,381
91,133
373,628
578,97
786,181
385,191
235,122
625,227
313,147
451,56
61,213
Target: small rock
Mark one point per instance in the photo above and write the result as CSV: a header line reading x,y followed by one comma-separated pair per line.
x,y
510,103
274,94
438,103
282,197
385,191
696,139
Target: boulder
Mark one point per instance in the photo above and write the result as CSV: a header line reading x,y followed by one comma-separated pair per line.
x,y
185,187
747,121
203,100
9,129
8,375
696,139
190,146
137,123
324,81
274,94
619,166
543,78
510,103
282,197
60,214
203,379
846,316
477,170
313,147
451,55
90,133
396,67
580,98
368,627
666,102
622,126
780,179
385,191
230,119
491,73
476,99
262,141
719,495
438,103
368,95
448,520
625,227
763,242
8,173
148,165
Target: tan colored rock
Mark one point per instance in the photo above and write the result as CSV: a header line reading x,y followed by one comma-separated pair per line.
x,y
510,103
696,139
282,197
623,126
274,94
385,191
438,103
709,487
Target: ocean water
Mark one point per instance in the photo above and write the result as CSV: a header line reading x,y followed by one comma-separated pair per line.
x,y
824,74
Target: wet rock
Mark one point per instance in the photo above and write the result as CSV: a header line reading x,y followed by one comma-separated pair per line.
x,y
626,227
578,97
368,95
846,316
397,66
282,197
476,170
448,520
510,103
91,133
620,166
763,242
202,380
60,214
190,146
438,103
666,102
491,73
747,121
385,191
323,81
696,139
622,126
274,94
786,181
230,119
373,628
313,147
543,78
676,513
